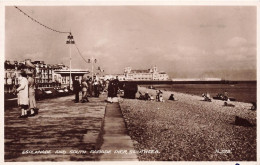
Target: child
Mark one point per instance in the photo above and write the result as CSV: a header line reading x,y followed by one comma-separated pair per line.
x,y
161,98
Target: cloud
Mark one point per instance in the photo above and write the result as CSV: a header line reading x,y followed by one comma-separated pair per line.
x,y
101,43
35,56
236,42
238,53
188,51
237,48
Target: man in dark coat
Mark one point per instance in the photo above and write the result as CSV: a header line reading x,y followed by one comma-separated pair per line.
x,y
96,88
110,89
116,86
76,89
90,87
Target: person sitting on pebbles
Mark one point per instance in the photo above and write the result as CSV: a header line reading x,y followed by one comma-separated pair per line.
x,y
161,98
171,97
152,98
147,96
206,97
253,107
158,94
228,105
141,96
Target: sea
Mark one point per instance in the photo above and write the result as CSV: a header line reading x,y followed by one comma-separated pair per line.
x,y
241,91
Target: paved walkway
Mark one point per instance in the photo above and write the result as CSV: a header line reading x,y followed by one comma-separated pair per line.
x,y
115,138
73,129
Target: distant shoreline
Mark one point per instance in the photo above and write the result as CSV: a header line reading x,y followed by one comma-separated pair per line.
x,y
151,82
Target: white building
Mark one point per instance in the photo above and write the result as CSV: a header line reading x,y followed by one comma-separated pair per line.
x,y
145,75
121,77
63,76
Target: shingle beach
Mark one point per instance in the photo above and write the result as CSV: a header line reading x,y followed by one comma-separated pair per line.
x,y
190,129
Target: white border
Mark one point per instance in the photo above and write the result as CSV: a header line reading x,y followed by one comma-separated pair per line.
x,y
4,3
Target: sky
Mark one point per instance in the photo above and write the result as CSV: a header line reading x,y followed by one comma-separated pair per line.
x,y
184,41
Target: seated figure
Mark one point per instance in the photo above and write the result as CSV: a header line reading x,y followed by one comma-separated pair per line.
x,y
147,96
253,107
161,98
206,97
141,97
171,97
152,98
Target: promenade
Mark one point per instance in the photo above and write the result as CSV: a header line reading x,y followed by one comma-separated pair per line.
x,y
62,131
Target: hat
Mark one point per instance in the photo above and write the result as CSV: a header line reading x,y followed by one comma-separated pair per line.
x,y
23,74
29,72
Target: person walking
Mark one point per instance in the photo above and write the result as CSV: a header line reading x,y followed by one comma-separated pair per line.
x,y
84,91
90,87
76,89
32,101
116,86
23,94
96,88
110,91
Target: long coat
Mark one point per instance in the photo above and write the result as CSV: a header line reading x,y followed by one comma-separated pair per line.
x,y
84,86
76,86
116,86
31,86
110,89
23,92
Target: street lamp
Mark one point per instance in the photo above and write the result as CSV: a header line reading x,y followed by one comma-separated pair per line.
x,y
92,60
70,41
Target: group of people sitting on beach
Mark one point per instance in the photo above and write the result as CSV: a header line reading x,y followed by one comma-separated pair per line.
x,y
146,96
206,97
158,98
224,97
149,97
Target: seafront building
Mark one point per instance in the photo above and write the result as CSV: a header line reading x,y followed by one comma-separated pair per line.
x,y
145,75
121,77
63,75
139,75
46,75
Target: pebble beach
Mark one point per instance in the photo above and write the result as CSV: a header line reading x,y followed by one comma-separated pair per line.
x,y
189,129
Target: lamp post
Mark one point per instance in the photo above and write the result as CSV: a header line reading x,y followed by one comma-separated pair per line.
x,y
70,41
92,60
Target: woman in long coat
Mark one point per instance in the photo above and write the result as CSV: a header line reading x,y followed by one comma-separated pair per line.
x,y
23,94
32,101
110,91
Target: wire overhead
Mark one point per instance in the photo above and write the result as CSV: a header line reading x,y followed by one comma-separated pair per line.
x,y
80,53
47,27
39,22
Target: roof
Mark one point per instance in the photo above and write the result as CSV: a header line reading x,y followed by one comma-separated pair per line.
x,y
162,72
140,71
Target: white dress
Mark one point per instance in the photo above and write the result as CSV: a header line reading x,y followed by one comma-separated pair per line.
x,y
23,92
